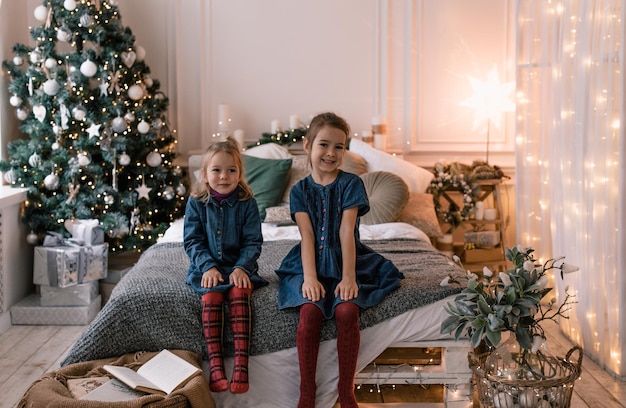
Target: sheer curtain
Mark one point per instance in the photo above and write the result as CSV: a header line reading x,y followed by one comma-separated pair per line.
x,y
570,165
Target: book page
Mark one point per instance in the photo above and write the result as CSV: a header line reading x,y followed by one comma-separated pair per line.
x,y
113,391
133,379
167,371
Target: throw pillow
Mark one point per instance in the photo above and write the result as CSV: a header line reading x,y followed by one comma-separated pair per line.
x,y
417,178
299,169
268,179
279,215
353,163
387,193
420,212
268,151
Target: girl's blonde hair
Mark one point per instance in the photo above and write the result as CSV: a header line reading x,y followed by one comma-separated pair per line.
x,y
201,189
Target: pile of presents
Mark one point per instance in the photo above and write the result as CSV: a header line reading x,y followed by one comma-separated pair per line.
x,y
68,274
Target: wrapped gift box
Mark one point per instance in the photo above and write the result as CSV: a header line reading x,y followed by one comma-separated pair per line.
x,y
483,239
96,259
79,295
88,231
29,311
480,255
57,266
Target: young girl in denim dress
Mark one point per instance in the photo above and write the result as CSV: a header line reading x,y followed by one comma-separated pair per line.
x,y
222,237
330,273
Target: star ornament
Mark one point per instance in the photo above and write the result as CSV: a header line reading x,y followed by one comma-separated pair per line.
x,y
94,130
490,99
143,190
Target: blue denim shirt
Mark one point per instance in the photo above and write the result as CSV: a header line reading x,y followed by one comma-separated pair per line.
x,y
225,236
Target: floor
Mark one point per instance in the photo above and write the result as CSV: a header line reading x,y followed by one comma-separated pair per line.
x,y
26,352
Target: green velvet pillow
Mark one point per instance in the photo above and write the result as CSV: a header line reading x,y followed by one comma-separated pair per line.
x,y
268,179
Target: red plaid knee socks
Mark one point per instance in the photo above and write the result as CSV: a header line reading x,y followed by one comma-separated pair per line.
x,y
213,325
308,344
240,320
348,343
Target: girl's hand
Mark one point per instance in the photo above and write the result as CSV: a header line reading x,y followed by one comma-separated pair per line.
x,y
313,290
240,279
347,289
211,278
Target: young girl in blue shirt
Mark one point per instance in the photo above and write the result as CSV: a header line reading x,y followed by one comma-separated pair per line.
x,y
330,273
222,237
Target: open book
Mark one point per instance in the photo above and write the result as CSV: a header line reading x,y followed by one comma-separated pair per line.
x,y
162,374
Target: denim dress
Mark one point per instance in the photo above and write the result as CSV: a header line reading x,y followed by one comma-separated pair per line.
x,y
225,235
376,276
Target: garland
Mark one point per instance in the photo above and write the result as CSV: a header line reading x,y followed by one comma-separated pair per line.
x,y
452,177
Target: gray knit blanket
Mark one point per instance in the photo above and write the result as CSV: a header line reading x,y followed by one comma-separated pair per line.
x,y
152,308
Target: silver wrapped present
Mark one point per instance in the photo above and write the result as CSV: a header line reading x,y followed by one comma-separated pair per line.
x,y
59,266
483,239
89,232
78,295
96,260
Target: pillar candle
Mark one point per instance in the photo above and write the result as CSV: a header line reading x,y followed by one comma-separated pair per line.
x,y
294,122
276,126
223,116
239,137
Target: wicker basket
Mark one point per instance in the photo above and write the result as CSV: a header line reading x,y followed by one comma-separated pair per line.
x,y
497,392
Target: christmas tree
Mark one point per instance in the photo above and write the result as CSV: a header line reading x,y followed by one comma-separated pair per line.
x,y
98,145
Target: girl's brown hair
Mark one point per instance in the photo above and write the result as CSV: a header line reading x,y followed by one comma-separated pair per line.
x,y
201,189
326,119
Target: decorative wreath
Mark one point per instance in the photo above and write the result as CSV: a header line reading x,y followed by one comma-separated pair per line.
x,y
455,177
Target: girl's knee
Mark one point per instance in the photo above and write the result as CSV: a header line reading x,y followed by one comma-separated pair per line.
x,y
347,312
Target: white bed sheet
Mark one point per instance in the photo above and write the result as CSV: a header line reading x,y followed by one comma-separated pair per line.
x,y
275,377
272,232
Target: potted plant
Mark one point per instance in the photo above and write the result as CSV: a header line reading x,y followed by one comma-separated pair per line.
x,y
511,302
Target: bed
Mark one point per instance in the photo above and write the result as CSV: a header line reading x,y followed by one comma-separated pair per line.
x,y
152,308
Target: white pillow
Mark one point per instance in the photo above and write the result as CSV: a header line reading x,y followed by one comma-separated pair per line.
x,y
268,151
415,177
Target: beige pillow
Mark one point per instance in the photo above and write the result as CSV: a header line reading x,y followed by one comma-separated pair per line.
x,y
299,169
420,212
279,215
387,193
353,163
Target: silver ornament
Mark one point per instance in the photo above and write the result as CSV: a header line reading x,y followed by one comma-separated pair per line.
x,y
69,5
83,159
55,146
32,238
21,114
64,34
79,112
15,101
86,20
51,87
143,127
51,181
109,199
124,159
34,160
153,159
181,190
9,176
50,63
18,60
118,124
168,193
129,116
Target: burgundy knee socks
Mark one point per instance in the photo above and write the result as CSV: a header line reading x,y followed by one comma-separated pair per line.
x,y
213,325
308,344
240,320
348,343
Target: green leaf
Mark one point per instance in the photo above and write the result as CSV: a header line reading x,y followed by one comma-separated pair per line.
x,y
523,338
449,324
494,337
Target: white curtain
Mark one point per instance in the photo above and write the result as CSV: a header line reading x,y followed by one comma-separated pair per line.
x,y
570,160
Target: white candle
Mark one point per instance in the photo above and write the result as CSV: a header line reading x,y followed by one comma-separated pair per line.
x,y
479,211
380,141
223,116
276,126
294,122
239,137
378,125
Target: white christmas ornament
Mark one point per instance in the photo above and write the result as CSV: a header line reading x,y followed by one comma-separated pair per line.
x,y
109,199
32,238
9,176
35,56
143,127
40,112
129,116
83,159
88,68
51,181
124,159
55,146
34,160
41,13
51,87
50,63
18,60
135,92
129,58
64,34
69,5
148,81
153,159
168,193
79,112
181,190
21,114
15,101
118,124
86,20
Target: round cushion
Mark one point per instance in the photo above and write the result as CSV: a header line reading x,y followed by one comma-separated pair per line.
x,y
387,193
